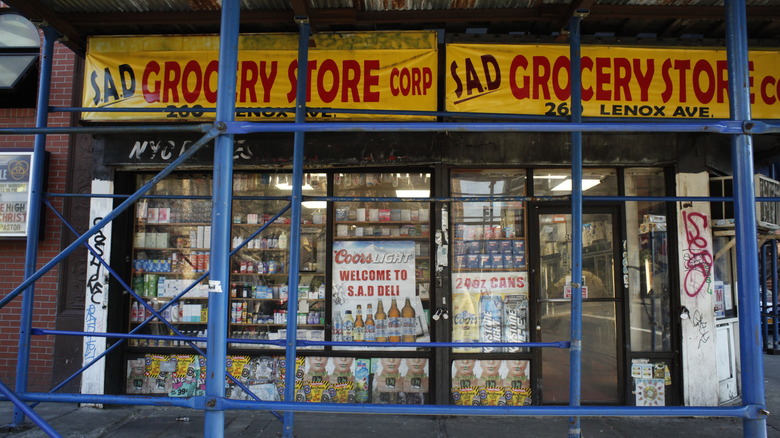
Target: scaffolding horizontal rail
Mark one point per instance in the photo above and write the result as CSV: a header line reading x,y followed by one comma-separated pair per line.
x,y
303,342
207,403
718,127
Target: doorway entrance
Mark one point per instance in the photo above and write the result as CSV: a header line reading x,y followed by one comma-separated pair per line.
x,y
602,351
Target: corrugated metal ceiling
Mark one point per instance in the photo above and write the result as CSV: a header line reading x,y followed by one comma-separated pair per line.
x,y
665,19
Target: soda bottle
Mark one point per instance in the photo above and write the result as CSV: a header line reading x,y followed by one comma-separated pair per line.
x,y
381,323
394,323
370,335
408,329
347,332
337,328
359,332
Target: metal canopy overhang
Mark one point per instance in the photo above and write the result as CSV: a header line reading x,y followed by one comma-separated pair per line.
x,y
77,20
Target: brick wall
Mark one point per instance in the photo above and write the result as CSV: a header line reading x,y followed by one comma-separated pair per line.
x,y
12,253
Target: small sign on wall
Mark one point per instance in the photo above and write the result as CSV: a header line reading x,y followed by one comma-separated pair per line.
x,y
15,178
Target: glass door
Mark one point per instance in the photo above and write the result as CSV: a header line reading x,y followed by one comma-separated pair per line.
x,y
601,351
489,300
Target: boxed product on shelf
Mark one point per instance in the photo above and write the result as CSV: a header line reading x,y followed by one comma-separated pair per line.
x,y
507,247
509,261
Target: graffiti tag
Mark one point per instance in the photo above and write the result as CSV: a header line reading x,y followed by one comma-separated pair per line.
x,y
697,259
701,326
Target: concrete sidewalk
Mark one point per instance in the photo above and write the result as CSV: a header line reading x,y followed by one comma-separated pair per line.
x,y
145,421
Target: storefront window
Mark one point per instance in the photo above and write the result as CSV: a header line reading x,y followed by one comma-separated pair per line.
x,y
381,259
171,250
489,270
646,262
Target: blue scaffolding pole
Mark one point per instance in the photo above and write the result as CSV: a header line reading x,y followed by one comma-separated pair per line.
x,y
575,353
219,281
752,365
295,226
34,216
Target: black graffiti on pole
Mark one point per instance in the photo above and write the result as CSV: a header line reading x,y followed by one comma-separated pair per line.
x,y
95,284
701,326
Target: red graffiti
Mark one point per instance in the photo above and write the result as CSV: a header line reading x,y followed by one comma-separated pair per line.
x,y
698,260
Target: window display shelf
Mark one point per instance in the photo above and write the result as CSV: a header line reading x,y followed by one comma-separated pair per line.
x,y
260,325
382,238
177,323
171,243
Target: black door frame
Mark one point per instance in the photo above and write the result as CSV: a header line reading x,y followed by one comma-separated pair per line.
x,y
536,209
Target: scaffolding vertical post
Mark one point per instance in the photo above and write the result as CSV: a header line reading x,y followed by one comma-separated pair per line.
x,y
762,296
773,253
752,368
222,198
34,215
295,223
575,352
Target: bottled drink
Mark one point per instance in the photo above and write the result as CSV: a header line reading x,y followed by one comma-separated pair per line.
x,y
381,323
134,312
370,335
348,327
359,331
337,327
408,329
394,323
283,240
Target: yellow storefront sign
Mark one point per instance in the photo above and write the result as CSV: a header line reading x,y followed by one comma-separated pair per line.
x,y
616,81
176,74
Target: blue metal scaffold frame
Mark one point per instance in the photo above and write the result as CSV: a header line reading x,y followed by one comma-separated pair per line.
x,y
740,127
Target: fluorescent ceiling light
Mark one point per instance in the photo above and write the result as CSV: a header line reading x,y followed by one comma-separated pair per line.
x,y
548,176
412,193
565,186
286,186
315,204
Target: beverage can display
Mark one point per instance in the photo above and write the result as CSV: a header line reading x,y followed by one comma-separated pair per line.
x,y
515,321
490,317
464,321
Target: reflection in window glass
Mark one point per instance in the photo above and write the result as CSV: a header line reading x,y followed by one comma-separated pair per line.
x,y
599,352
646,271
557,182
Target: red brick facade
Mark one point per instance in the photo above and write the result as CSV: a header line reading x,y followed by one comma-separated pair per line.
x,y
12,252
